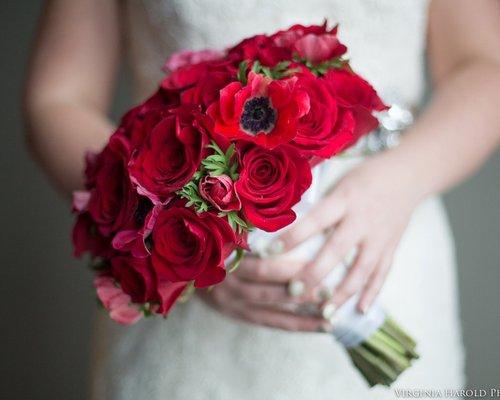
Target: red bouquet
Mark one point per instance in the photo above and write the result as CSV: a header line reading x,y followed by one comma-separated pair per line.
x,y
224,146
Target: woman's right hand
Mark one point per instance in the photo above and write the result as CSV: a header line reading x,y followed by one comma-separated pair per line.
x,y
257,293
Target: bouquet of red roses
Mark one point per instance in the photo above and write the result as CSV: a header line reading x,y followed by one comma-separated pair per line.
x,y
224,146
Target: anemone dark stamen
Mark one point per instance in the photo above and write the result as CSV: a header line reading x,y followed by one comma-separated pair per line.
x,y
143,207
258,116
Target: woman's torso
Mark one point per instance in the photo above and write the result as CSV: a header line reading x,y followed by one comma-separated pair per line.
x,y
198,353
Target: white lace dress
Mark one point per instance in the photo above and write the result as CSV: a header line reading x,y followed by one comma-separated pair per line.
x,y
199,354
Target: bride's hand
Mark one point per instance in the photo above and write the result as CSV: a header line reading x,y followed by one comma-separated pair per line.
x,y
257,293
368,210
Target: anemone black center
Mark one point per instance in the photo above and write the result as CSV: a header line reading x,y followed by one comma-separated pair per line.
x,y
143,207
258,116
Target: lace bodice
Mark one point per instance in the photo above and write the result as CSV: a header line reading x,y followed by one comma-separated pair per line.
x,y
386,38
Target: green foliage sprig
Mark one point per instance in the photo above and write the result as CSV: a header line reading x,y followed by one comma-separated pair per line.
x,y
221,163
323,67
279,71
216,164
191,193
236,222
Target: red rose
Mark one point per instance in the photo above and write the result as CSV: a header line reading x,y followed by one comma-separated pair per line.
x,y
184,77
219,191
187,57
207,89
189,246
138,123
112,197
201,82
136,277
326,129
357,96
85,238
259,47
264,111
271,182
170,155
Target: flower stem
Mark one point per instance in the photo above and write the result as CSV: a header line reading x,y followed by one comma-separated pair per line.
x,y
384,355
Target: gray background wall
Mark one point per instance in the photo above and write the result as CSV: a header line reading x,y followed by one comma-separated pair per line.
x,y
46,297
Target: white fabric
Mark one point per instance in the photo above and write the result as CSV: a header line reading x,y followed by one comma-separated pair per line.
x,y
199,354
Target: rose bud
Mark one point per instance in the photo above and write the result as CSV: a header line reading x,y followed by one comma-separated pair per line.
x,y
219,191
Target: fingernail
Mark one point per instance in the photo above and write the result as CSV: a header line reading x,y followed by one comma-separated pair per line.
x,y
276,247
325,327
349,258
328,312
363,308
296,288
325,294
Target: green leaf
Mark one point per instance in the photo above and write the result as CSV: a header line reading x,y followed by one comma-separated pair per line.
x,y
216,148
221,163
242,72
237,260
256,66
290,72
216,164
267,72
191,194
230,152
197,175
236,222
187,292
281,66
323,67
146,309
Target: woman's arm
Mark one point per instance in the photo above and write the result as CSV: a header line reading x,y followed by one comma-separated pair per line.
x,y
461,126
69,85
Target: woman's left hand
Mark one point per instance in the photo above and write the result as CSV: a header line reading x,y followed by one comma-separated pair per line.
x,y
369,210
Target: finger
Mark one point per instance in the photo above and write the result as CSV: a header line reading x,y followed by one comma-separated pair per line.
x,y
279,269
341,241
256,293
222,300
283,320
375,282
357,275
327,213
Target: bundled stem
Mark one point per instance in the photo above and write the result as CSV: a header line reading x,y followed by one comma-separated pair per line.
x,y
384,355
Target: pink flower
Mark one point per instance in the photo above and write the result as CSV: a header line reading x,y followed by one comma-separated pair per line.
x,y
81,200
317,48
219,191
185,57
118,304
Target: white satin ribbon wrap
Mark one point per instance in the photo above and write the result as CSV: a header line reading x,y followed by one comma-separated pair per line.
x,y
350,327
